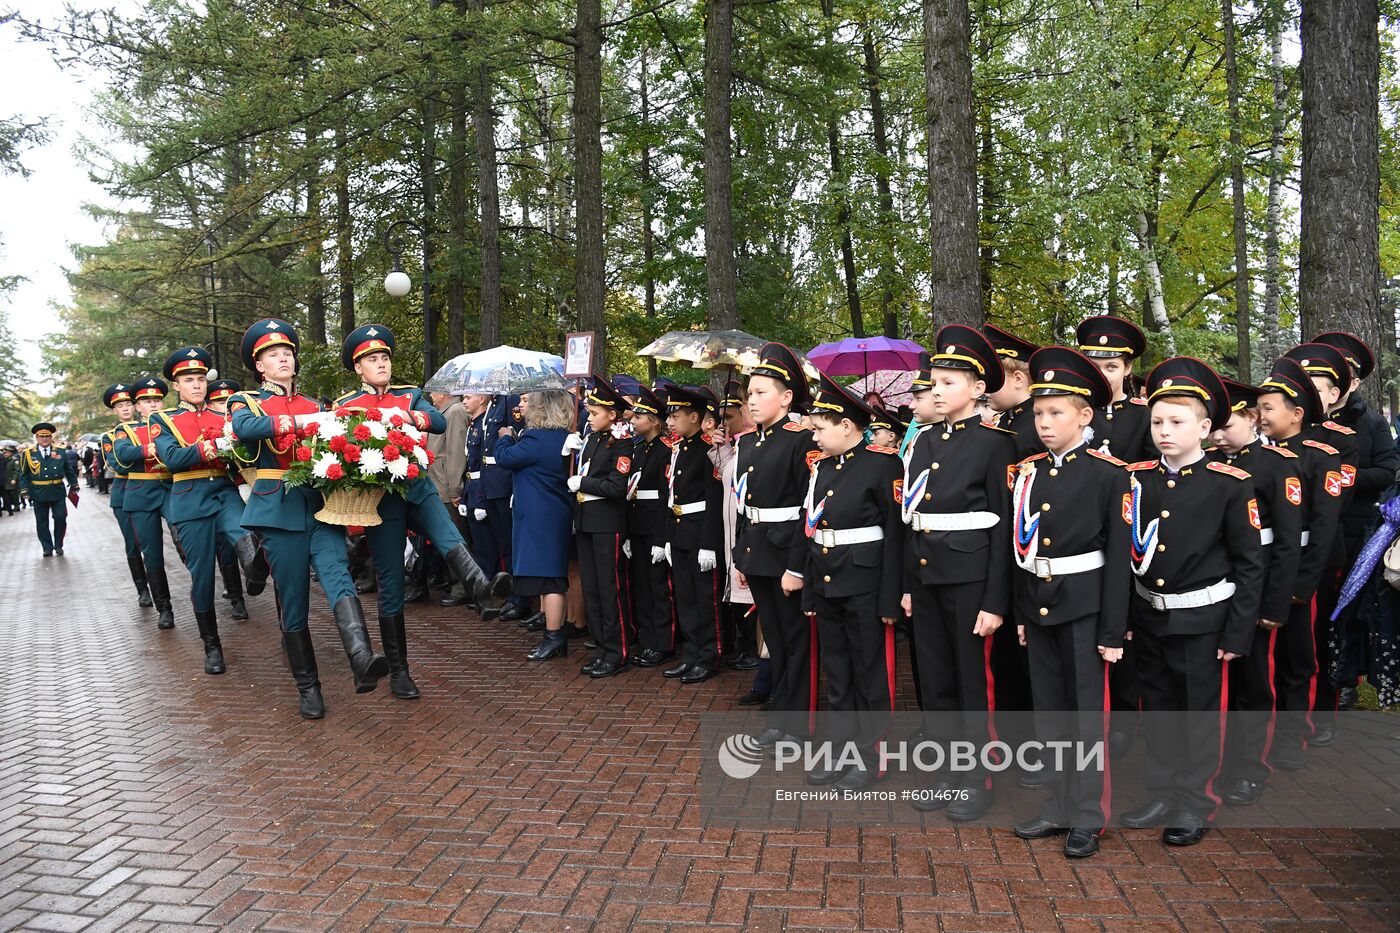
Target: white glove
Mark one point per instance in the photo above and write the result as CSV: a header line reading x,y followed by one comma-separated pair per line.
x,y
668,552
479,514
707,561
658,554
574,483
462,510
573,442
627,549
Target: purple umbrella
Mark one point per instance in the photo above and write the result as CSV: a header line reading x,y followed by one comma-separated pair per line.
x,y
860,356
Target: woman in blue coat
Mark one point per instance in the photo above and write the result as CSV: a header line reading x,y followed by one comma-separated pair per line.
x,y
543,511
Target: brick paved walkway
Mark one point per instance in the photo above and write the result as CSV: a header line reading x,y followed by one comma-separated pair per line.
x,y
135,792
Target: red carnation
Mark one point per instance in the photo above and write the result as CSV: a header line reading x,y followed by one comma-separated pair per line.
x,y
212,433
431,458
374,414
396,420
338,444
334,472
399,439
308,430
352,453
361,432
303,453
392,453
343,412
413,471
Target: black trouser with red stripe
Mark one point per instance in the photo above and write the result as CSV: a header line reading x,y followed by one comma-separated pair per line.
x,y
1295,677
1249,737
652,611
955,668
788,634
697,606
1325,641
602,569
1180,674
1069,684
858,657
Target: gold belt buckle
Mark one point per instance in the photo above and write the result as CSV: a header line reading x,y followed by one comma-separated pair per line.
x,y
677,511
580,496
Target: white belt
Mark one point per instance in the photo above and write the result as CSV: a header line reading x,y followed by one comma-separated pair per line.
x,y
589,497
1047,567
765,516
647,494
835,537
1206,596
953,521
489,461
476,475
1266,536
690,508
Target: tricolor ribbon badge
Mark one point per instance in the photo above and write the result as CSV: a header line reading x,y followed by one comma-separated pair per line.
x,y
1144,539
740,488
632,482
814,516
913,492
1025,522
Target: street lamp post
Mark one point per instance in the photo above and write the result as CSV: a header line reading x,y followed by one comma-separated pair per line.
x,y
398,284
213,303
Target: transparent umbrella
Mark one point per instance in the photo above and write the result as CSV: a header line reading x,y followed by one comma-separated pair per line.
x,y
498,371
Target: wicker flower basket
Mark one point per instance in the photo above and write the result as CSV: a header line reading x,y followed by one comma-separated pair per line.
x,y
352,506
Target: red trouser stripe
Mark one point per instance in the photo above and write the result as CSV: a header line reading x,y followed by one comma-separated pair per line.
x,y
991,696
1106,794
1220,746
813,672
714,585
1273,705
889,682
617,593
1312,679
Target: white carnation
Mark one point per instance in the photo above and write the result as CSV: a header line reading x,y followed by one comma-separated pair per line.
x,y
228,430
324,463
329,428
411,431
377,430
421,455
371,461
398,469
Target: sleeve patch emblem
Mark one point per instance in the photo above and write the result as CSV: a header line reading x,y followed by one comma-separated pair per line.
x,y
899,491
624,464
1128,508
1254,514
1348,474
1011,476
1293,489
1334,483
812,457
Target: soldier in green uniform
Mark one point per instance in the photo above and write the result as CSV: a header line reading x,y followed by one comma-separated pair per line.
x,y
293,539
43,470
147,490
118,398
204,505
217,398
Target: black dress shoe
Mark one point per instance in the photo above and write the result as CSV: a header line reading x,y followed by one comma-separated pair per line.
x,y
972,807
415,594
1243,793
1038,828
1119,743
856,779
753,698
511,612
450,600
590,666
535,623
1346,698
591,644
743,662
650,657
936,798
1288,759
607,669
1148,815
824,776
770,737
239,609
680,670
48,553
1324,733
1190,829
58,551
697,674
1081,843
1031,780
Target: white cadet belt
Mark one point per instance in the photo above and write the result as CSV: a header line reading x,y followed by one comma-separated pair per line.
x,y
953,521
765,516
835,537
1206,596
690,508
489,461
646,494
476,475
1047,567
588,497
1266,536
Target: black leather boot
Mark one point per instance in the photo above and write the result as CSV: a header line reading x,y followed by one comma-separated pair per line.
x,y
490,593
138,576
253,563
160,595
555,643
209,634
302,658
391,632
369,668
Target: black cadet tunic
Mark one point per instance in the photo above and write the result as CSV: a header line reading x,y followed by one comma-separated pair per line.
x,y
1121,428
1020,420
773,467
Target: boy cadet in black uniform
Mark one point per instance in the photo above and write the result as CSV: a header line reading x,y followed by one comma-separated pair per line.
x,y
1071,601
695,533
647,518
1121,429
1331,375
1288,411
957,506
1278,489
604,467
770,480
1198,562
1377,460
1013,400
854,575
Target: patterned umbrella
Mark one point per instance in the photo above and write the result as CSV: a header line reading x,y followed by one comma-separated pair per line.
x,y
859,356
892,384
708,349
498,371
